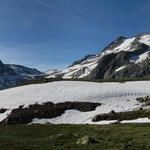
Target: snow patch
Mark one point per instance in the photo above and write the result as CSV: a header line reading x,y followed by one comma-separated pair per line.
x,y
125,46
145,39
139,120
57,121
4,115
139,58
50,121
120,68
51,72
85,66
78,117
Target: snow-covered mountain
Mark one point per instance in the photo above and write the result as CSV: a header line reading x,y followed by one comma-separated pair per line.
x,y
123,58
11,75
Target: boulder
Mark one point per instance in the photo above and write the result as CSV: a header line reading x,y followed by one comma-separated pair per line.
x,y
86,140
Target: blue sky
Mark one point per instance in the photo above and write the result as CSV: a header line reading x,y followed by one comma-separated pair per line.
x,y
53,33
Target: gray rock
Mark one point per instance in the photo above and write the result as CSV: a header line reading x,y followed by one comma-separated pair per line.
x,y
116,122
85,140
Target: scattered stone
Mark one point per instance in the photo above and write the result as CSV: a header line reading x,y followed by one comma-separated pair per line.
x,y
59,135
141,108
52,137
105,116
140,99
56,136
116,122
112,112
125,115
47,123
75,134
86,140
21,106
144,100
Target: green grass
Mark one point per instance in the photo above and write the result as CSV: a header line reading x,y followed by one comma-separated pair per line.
x,y
126,115
64,137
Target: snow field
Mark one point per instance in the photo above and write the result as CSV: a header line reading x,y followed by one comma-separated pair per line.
x,y
113,96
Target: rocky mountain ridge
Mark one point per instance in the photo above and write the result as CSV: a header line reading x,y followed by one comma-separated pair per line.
x,y
123,58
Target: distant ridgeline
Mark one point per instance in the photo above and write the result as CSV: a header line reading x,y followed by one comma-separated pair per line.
x,y
11,75
122,60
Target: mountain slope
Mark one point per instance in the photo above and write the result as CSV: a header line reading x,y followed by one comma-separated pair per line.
x,y
51,72
123,58
11,75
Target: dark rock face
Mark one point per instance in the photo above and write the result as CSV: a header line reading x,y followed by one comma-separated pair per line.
x,y
81,60
46,110
115,43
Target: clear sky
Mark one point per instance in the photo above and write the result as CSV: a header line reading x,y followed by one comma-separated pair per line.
x,y
49,34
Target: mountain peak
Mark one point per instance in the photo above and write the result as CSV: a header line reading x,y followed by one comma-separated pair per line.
x,y
142,34
123,58
115,43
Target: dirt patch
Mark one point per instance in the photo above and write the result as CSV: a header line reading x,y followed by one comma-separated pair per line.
x,y
47,110
129,115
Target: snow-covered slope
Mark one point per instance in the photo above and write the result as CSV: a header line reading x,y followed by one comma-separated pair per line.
x,y
79,68
51,72
121,52
113,96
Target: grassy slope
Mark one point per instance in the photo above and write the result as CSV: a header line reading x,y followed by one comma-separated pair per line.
x,y
64,137
127,115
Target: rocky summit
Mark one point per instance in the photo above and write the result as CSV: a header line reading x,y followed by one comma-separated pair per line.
x,y
123,58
